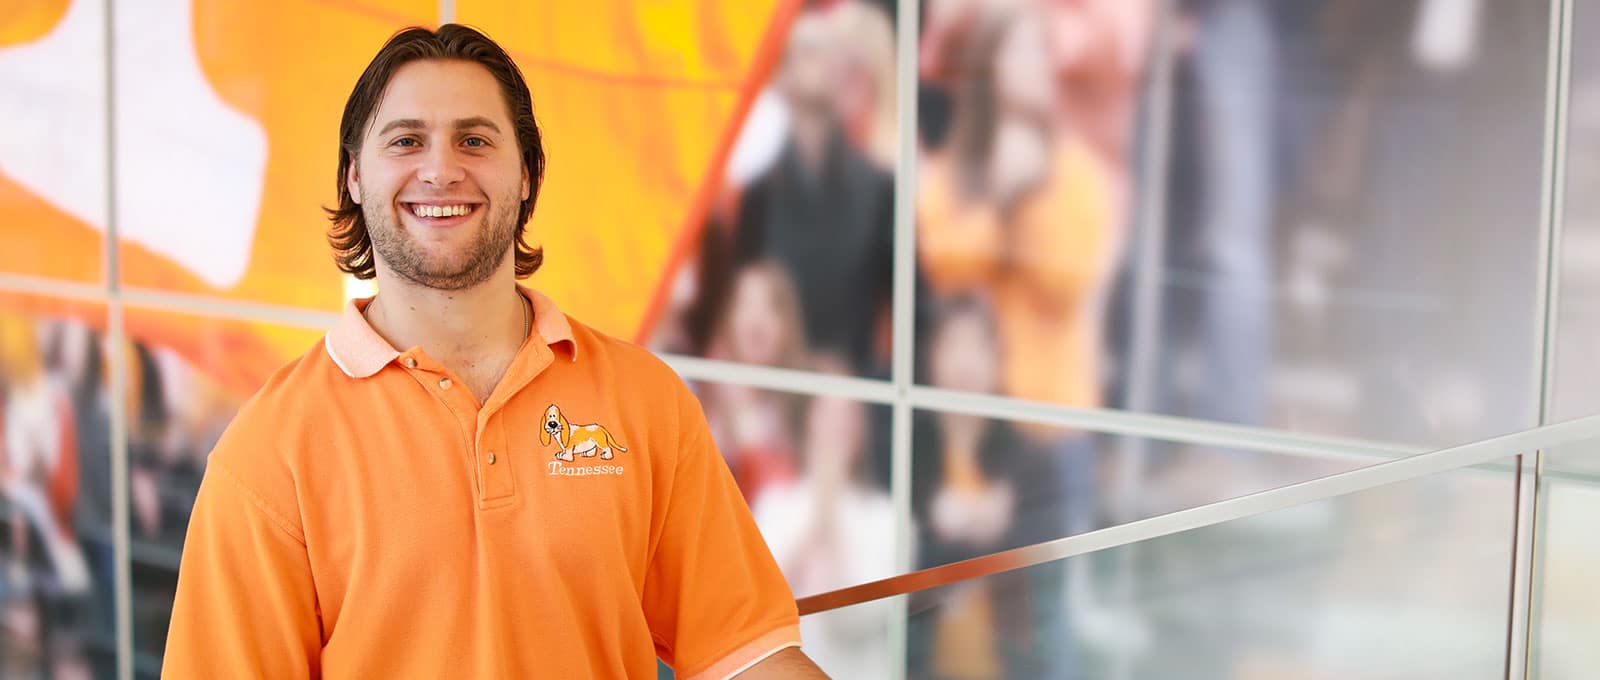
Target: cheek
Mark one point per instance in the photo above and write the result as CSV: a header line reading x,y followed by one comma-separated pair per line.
x,y
380,181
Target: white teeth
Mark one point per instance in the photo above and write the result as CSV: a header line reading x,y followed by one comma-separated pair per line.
x,y
440,210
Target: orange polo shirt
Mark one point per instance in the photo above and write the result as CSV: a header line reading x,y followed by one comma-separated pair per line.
x,y
364,517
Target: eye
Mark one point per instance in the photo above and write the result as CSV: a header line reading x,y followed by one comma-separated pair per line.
x,y
475,142
405,142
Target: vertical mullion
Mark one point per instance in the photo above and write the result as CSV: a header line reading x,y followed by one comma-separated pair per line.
x,y
908,26
116,361
1522,628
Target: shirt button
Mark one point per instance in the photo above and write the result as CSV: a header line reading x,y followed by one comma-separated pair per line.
x,y
410,362
444,383
491,458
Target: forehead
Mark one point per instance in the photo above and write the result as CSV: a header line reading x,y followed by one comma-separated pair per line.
x,y
439,91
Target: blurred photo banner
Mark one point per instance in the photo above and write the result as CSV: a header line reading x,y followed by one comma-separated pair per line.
x,y
225,133
639,104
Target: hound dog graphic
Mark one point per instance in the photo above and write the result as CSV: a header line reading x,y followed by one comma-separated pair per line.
x,y
576,440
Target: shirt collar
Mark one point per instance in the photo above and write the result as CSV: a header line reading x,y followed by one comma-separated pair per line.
x,y
360,352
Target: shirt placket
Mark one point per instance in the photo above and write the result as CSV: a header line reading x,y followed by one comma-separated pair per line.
x,y
482,429
496,483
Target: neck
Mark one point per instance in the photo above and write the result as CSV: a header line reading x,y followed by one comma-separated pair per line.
x,y
810,131
476,323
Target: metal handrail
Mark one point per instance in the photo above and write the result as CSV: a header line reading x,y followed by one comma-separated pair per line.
x,y
1324,488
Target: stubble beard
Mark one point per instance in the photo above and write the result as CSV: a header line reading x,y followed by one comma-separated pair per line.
x,y
398,248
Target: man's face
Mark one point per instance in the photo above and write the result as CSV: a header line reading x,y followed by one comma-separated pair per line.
x,y
440,177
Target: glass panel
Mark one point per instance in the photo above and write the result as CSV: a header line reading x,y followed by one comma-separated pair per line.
x,y
979,486
1566,603
260,88
53,194
787,250
1348,227
1567,549
1410,580
57,604
815,472
1576,391
187,377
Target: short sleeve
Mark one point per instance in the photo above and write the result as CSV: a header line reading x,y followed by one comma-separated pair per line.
x,y
714,597
246,606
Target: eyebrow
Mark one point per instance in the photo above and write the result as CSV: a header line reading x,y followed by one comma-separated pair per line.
x,y
460,124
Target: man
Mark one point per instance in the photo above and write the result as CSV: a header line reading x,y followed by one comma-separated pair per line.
x,y
514,494
824,210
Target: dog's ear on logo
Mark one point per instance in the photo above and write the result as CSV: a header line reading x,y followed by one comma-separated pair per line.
x,y
544,436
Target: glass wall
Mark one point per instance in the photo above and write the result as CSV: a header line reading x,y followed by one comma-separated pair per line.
x,y
969,274
57,584
1565,601
1407,580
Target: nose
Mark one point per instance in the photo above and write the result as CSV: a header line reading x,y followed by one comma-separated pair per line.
x,y
440,167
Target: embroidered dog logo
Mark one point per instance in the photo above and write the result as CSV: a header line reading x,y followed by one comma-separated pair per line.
x,y
576,440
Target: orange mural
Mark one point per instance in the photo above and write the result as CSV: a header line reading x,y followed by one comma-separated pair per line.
x,y
639,104
30,20
226,133
53,237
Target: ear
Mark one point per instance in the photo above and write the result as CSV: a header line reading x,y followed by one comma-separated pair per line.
x,y
544,436
352,183
526,186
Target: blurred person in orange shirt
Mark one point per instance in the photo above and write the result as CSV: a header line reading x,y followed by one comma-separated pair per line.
x,y
1024,200
1026,197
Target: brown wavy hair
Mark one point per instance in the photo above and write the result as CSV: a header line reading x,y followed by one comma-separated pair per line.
x,y
352,246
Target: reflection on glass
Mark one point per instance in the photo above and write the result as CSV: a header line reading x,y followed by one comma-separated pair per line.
x,y
809,194
1410,580
1336,231
980,486
1567,555
812,469
56,564
187,377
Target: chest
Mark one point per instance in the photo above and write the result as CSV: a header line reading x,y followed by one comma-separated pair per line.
x,y
465,504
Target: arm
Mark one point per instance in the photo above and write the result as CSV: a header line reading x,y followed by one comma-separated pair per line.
x,y
789,664
245,606
713,595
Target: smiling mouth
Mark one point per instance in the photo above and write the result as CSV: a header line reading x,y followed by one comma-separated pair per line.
x,y
439,211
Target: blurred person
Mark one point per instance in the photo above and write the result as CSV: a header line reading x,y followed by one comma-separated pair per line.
x,y
1017,208
1217,330
1021,206
1025,201
864,96
81,362
978,488
513,493
149,421
830,528
39,469
757,429
47,576
824,210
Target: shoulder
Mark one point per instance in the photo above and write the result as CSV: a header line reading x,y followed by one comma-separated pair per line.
x,y
254,449
639,381
628,363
